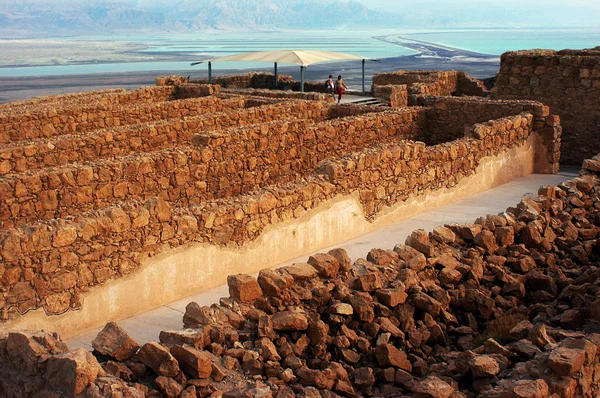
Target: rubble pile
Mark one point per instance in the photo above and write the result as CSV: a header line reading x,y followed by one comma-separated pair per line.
x,y
505,307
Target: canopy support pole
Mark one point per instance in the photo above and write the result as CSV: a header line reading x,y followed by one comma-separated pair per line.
x,y
302,78
209,73
363,77
276,82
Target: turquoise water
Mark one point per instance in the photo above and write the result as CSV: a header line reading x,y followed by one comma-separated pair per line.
x,y
195,47
501,40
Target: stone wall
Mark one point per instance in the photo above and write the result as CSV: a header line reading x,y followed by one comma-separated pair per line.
x,y
313,96
50,264
221,164
130,139
258,80
569,82
81,98
396,95
440,83
99,112
505,306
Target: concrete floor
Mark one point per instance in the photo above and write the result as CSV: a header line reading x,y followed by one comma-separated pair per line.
x,y
147,326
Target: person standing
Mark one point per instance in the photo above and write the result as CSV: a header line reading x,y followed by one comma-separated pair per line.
x,y
340,87
330,86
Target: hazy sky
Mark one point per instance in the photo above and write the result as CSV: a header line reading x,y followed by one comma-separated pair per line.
x,y
392,4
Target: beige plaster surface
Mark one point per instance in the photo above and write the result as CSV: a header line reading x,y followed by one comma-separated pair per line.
x,y
197,268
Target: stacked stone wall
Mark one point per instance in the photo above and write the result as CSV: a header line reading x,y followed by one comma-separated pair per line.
x,y
396,95
105,111
130,139
49,264
257,80
450,118
569,82
223,164
63,98
312,96
438,83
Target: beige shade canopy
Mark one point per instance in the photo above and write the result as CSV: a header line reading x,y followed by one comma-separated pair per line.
x,y
296,57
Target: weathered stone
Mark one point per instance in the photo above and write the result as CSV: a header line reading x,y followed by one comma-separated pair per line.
x,y
169,387
72,372
115,342
244,288
419,240
566,361
326,265
388,355
274,281
432,387
426,303
392,297
363,377
341,309
159,359
301,271
25,349
318,332
192,361
342,257
532,389
198,338
484,366
487,241
288,320
363,309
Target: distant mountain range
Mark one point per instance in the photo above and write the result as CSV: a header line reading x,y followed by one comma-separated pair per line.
x,y
54,18
35,18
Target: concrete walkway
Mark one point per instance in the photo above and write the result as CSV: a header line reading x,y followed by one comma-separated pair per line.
x,y
147,326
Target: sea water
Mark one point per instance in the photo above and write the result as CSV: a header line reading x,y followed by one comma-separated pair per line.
x,y
196,47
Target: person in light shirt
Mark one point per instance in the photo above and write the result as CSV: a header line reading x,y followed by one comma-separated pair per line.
x,y
340,87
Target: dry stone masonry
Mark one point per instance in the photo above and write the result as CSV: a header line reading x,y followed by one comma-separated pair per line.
x,y
93,185
506,306
569,82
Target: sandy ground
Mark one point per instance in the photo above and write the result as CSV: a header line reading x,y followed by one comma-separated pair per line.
x,y
18,52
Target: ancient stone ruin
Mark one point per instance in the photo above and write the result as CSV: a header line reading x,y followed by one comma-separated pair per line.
x,y
569,82
115,202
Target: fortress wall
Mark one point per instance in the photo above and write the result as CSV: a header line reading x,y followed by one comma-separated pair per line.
x,y
223,164
71,98
448,117
129,139
99,112
52,265
439,83
258,80
313,96
569,82
395,94
246,158
393,173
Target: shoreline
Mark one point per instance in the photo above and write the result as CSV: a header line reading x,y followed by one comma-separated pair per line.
x,y
428,56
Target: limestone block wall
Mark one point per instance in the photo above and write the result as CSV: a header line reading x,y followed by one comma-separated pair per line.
x,y
50,264
395,94
245,158
224,163
257,80
313,96
439,83
449,118
394,172
101,112
129,139
81,98
569,82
